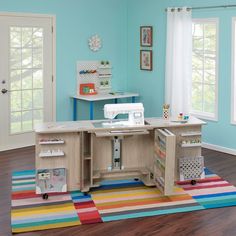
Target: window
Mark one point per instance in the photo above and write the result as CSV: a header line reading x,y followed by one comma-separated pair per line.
x,y
233,108
26,78
204,68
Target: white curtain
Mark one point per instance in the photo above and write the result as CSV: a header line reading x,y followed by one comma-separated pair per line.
x,y
178,60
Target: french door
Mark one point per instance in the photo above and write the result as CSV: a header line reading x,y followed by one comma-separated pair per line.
x,y
26,77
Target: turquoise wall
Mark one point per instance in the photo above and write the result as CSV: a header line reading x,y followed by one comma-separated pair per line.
x,y
151,84
118,22
76,21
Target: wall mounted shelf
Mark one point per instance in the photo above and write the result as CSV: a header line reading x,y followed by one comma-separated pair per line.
x,y
51,142
51,154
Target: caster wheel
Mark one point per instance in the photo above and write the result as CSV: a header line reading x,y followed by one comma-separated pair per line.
x,y
45,196
193,182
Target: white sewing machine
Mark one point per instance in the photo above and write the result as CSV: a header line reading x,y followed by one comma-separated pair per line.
x,y
135,112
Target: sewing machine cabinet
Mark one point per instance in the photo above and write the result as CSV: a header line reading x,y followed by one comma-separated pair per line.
x,y
86,153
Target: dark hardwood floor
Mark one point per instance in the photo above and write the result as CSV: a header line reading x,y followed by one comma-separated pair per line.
x,y
207,222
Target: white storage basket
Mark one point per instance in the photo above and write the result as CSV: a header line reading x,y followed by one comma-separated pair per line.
x,y
191,168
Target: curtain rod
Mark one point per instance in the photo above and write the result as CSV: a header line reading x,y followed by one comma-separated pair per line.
x,y
199,8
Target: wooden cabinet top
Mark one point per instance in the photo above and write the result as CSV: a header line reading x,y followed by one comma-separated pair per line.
x,y
96,125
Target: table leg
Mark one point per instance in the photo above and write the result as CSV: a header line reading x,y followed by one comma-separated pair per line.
x,y
74,109
91,110
133,99
116,101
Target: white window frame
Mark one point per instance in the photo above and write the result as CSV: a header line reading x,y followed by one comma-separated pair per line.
x,y
205,115
233,73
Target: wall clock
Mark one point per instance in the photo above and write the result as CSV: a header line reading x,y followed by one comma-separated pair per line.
x,y
95,43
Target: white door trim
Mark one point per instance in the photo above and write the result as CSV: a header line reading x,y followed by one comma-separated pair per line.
x,y
53,18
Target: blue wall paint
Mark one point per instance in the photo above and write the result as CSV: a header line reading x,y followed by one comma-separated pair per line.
x,y
151,84
76,21
79,19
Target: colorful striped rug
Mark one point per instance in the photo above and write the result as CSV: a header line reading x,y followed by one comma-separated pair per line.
x,y
30,212
114,200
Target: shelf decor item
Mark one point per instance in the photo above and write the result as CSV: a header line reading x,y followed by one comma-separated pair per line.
x,y
165,111
87,89
104,64
95,43
146,60
146,36
51,181
98,73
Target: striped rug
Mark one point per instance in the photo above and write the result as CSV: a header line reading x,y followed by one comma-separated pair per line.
x,y
114,200
30,212
85,208
211,192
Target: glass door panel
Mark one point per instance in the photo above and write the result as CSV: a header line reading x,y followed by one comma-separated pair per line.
x,y
26,78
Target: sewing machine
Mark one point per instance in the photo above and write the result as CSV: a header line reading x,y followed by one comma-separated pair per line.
x,y
134,110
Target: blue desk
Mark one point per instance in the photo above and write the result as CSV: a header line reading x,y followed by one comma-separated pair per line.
x,y
99,97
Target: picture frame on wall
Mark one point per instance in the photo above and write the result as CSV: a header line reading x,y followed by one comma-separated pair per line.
x,y
146,60
146,36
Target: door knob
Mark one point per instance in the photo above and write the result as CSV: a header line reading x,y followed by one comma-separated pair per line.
x,y
4,91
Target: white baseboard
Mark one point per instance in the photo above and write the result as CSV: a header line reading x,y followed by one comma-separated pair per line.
x,y
9,148
219,148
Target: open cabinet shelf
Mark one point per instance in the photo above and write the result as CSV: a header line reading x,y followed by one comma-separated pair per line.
x,y
189,134
86,161
191,145
164,165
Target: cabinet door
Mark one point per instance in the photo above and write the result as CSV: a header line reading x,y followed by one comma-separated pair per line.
x,y
164,160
